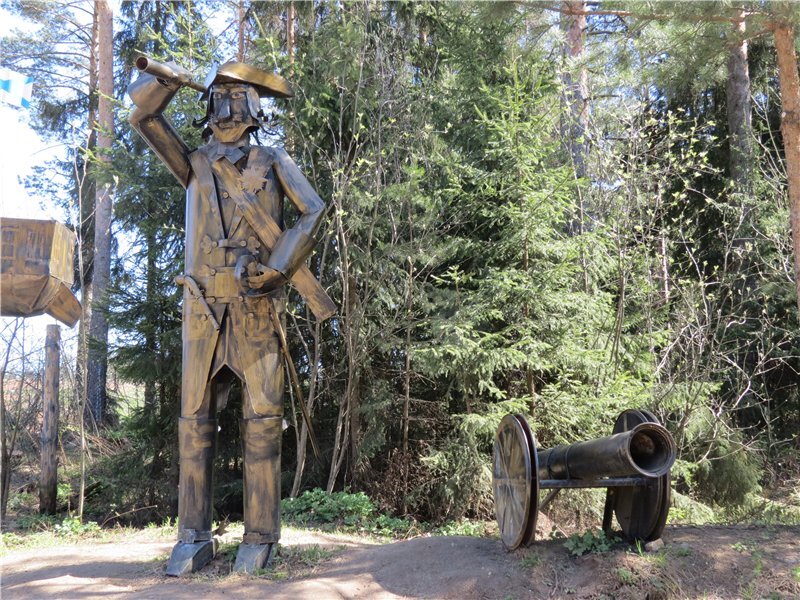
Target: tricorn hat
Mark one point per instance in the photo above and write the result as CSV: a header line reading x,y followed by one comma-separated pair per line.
x,y
267,84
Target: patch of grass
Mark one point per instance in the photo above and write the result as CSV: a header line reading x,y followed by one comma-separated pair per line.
x,y
626,576
758,562
308,556
293,561
227,551
530,561
462,527
595,541
740,547
681,551
44,531
796,574
160,558
73,527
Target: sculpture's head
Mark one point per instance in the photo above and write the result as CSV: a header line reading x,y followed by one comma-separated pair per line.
x,y
234,99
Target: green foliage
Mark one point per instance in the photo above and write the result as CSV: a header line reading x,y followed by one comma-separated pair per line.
x,y
686,510
724,471
66,527
594,541
465,527
21,501
728,475
478,269
73,527
531,561
37,522
319,506
344,510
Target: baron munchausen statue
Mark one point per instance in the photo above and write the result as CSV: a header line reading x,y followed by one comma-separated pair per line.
x,y
238,259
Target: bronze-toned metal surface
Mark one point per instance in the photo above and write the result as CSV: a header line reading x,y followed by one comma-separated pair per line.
x,y
641,511
514,482
169,72
37,270
239,256
267,84
633,463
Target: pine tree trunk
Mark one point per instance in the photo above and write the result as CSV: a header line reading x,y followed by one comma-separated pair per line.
x,y
790,130
240,32
739,113
97,362
576,86
291,17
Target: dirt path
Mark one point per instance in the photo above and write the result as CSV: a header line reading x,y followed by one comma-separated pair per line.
x,y
708,562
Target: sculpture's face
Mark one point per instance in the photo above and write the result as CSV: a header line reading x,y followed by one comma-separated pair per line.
x,y
231,114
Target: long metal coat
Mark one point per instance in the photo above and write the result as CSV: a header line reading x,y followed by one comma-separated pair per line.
x,y
240,335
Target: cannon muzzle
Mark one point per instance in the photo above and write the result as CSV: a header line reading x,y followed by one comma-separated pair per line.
x,y
171,73
648,450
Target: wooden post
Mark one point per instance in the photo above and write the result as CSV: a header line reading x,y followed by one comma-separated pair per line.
x,y
49,437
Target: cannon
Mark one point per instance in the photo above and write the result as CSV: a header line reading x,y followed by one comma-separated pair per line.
x,y
633,464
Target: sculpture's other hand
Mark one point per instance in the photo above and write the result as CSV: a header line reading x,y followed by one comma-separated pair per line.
x,y
267,280
256,279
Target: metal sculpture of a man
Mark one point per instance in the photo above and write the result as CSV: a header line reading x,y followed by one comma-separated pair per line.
x,y
238,259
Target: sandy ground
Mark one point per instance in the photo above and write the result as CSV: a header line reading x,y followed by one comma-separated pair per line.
x,y
707,562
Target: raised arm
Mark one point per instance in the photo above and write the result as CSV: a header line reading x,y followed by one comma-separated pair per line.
x,y
151,96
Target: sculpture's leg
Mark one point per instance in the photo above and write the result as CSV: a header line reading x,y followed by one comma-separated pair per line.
x,y
261,443
196,545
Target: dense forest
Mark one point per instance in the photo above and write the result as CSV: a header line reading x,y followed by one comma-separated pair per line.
x,y
563,209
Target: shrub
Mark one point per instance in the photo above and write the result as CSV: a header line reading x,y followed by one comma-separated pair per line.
x,y
595,541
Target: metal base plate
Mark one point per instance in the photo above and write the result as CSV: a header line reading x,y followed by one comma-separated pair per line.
x,y
514,482
252,556
187,558
641,511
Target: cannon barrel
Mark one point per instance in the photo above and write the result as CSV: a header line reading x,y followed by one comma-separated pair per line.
x,y
648,449
168,72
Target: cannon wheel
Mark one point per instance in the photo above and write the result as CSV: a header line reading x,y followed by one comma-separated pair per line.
x,y
641,511
514,482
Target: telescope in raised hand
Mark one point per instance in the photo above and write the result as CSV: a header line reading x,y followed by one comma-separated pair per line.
x,y
168,72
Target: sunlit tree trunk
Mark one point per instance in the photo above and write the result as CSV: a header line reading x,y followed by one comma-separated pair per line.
x,y
739,113
790,129
576,84
97,362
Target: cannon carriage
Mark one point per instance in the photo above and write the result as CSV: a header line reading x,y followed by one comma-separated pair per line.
x,y
633,464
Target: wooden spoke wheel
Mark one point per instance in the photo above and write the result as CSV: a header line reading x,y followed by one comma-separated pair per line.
x,y
641,511
514,482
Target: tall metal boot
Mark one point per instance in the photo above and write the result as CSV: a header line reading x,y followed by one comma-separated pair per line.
x,y
196,545
261,444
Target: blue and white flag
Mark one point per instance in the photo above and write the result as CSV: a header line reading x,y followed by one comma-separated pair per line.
x,y
15,88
